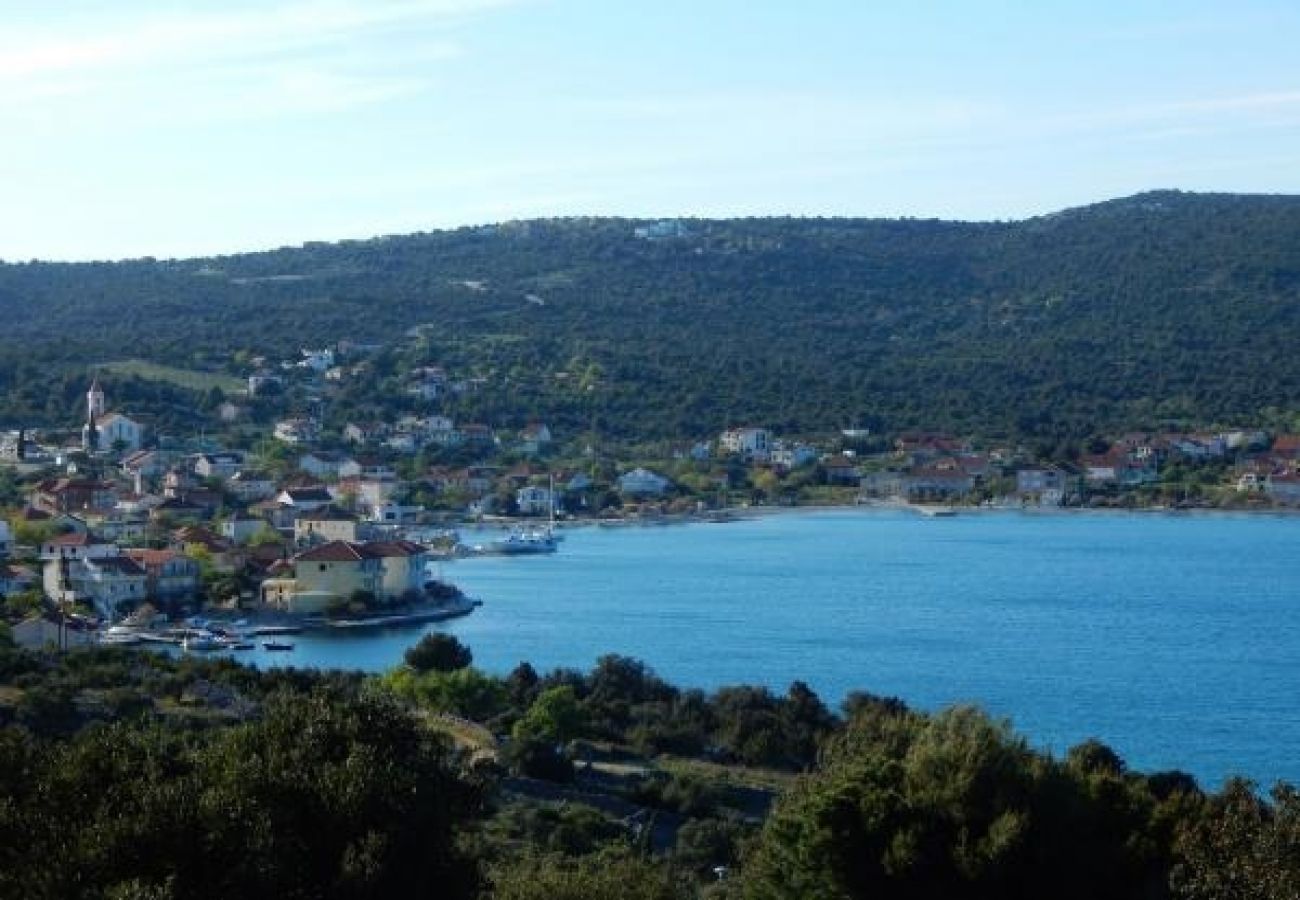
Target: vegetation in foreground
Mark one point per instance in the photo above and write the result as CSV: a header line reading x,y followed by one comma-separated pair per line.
x,y
130,775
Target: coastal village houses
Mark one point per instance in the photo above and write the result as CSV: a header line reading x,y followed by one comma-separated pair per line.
x,y
338,571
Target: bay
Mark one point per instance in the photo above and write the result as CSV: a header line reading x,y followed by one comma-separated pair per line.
x,y
1173,638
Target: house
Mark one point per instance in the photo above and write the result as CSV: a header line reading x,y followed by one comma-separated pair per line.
x,y
883,483
792,456
38,632
333,572
534,438
221,465
842,469
231,412
322,463
297,430
324,575
391,513
1283,488
318,361
1037,481
170,577
366,467
751,443
177,509
1245,439
241,527
66,495
477,435
107,583
533,500
145,464
327,523
933,482
198,542
365,432
305,499
250,485
76,545
642,483
264,382
404,566
15,579
1286,447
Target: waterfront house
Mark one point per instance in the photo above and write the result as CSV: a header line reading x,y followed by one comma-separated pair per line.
x,y
842,470
1036,481
170,577
324,575
533,500
642,482
104,581
328,523
1283,488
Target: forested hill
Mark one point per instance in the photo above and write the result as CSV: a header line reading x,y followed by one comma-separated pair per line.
x,y
1156,309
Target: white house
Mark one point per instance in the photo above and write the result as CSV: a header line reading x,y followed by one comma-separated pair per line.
x,y
751,443
533,500
218,465
642,483
298,430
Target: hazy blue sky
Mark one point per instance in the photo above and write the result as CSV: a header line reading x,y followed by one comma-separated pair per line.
x,y
168,129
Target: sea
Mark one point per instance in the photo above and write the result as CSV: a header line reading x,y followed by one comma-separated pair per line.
x,y
1172,637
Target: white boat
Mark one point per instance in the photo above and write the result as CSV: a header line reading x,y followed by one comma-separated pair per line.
x,y
935,511
119,639
199,643
521,541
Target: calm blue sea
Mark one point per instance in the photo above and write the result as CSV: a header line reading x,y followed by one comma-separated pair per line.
x,y
1173,638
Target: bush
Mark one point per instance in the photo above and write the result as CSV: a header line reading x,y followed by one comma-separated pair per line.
x,y
438,652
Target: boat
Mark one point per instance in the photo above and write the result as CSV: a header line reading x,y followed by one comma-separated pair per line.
x,y
119,639
199,643
936,511
276,645
272,630
520,542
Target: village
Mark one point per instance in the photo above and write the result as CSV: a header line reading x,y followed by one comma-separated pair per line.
x,y
308,522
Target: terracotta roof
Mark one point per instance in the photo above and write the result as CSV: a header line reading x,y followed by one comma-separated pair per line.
x,y
152,557
334,551
327,513
74,539
393,548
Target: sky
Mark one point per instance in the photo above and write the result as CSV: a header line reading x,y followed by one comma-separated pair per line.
x,y
173,129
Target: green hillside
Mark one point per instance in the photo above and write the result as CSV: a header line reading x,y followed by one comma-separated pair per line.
x,y
1164,308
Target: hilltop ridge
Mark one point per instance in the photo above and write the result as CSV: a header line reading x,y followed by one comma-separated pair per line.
x,y
1163,307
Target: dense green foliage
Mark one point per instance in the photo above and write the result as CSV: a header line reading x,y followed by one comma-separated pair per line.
x,y
1161,308
130,775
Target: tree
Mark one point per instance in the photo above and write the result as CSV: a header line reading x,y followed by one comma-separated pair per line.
x,y
555,716
438,652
